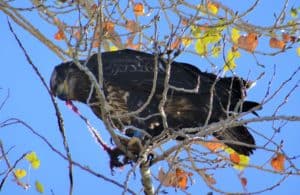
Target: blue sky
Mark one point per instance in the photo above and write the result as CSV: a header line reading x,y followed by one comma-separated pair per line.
x,y
29,101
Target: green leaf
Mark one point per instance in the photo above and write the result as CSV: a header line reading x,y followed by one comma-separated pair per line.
x,y
294,12
39,187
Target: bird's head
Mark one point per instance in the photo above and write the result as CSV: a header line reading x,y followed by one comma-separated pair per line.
x,y
69,83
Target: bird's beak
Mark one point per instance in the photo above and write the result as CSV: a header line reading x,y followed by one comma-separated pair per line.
x,y
59,88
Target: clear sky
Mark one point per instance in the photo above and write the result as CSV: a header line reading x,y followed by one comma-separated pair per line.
x,y
29,101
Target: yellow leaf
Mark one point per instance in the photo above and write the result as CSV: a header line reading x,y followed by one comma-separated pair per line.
x,y
39,187
113,48
298,51
235,35
186,41
213,7
230,60
212,37
200,47
35,164
33,159
216,51
31,156
20,173
195,31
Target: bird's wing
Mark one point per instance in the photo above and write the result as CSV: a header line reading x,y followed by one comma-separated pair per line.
x,y
133,70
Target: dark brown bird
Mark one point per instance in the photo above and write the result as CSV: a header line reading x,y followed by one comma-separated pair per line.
x,y
128,77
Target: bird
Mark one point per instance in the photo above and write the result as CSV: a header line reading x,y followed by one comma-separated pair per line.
x,y
134,80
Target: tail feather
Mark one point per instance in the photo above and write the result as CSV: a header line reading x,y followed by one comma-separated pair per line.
x,y
237,134
248,105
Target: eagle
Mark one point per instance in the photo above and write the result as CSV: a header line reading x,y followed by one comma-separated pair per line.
x,y
147,94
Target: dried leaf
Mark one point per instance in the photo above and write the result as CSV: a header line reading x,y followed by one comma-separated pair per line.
x,y
249,42
278,162
275,43
138,9
244,181
298,51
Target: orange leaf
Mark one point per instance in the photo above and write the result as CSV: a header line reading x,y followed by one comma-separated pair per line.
x,y
213,146
77,34
167,179
286,37
95,43
175,44
234,157
60,35
179,178
184,21
275,43
108,26
278,162
138,9
182,178
244,181
249,42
